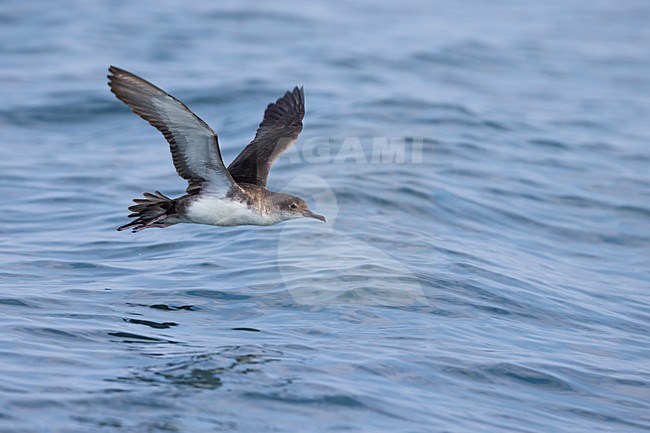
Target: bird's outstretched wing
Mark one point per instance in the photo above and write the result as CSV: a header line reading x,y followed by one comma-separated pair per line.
x,y
279,130
193,144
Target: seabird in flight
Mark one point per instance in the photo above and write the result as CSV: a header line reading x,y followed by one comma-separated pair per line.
x,y
215,195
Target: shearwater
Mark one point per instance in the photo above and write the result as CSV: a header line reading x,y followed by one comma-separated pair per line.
x,y
215,195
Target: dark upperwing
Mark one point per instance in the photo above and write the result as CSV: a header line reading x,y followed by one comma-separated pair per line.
x,y
279,130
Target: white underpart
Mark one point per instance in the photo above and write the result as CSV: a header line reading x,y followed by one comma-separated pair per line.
x,y
217,211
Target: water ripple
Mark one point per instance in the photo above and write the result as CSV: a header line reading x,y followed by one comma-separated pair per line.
x,y
488,275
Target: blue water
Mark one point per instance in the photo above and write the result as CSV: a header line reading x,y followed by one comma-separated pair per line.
x,y
485,171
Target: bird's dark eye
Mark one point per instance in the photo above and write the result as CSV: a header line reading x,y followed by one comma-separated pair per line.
x,y
293,206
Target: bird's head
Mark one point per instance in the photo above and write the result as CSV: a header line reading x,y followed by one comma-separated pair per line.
x,y
292,207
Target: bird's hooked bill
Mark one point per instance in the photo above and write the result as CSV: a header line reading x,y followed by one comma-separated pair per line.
x,y
311,214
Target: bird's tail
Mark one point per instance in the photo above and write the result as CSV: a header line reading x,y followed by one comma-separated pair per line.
x,y
151,211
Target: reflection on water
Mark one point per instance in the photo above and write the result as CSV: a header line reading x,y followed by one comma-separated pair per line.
x,y
205,371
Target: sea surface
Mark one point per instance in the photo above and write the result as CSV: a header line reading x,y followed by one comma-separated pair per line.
x,y
485,265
